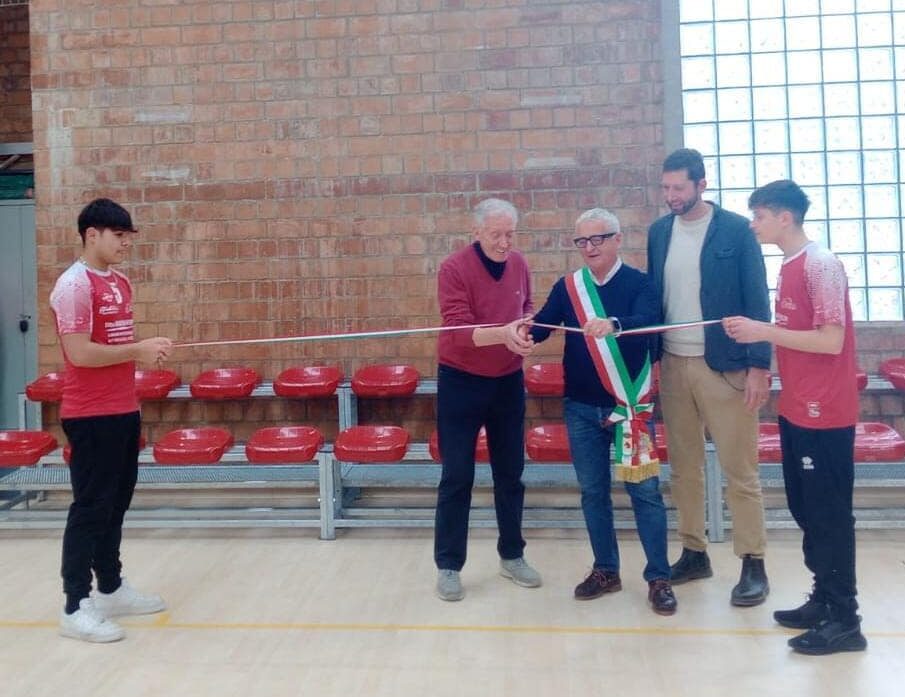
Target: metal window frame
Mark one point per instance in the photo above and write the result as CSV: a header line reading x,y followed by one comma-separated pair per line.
x,y
674,125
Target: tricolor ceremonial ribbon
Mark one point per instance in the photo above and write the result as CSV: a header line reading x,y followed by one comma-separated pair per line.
x,y
327,337
651,329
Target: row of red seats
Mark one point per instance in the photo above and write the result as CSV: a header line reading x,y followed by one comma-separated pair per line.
x,y
184,446
547,379
542,379
874,442
207,445
877,442
236,383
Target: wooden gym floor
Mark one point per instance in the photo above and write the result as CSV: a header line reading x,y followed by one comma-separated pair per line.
x,y
276,613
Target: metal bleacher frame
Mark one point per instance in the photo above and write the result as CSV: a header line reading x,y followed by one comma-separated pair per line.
x,y
338,483
232,472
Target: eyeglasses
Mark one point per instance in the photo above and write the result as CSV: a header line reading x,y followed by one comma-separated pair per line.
x,y
595,240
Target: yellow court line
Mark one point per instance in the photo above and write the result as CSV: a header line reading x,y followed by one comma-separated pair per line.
x,y
163,621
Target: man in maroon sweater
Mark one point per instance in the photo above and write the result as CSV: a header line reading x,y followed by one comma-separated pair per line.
x,y
480,383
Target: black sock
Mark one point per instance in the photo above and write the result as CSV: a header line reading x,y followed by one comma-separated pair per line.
x,y
109,585
72,602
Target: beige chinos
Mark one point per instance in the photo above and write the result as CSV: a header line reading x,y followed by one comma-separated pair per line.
x,y
692,397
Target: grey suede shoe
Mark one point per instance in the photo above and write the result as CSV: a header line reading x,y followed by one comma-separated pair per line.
x,y
449,586
519,571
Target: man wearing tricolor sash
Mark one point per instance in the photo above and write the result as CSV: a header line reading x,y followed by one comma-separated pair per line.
x,y
607,402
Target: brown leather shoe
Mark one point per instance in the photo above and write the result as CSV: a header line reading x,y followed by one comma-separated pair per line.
x,y
661,597
597,583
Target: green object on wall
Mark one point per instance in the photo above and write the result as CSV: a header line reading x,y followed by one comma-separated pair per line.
x,y
14,186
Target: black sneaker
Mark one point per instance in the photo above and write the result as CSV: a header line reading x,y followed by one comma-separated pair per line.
x,y
830,636
691,565
806,616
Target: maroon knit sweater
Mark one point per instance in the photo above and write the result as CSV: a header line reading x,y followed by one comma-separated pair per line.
x,y
468,294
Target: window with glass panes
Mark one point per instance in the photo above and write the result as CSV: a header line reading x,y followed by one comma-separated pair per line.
x,y
812,90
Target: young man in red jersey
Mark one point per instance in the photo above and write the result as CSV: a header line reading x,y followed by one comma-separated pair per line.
x,y
92,307
818,409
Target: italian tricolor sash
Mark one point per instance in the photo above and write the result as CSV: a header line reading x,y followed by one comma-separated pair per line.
x,y
636,455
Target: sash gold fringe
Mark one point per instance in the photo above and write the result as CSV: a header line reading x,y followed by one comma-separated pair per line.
x,y
638,473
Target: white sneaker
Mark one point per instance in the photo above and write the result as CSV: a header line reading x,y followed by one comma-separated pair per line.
x,y
125,600
88,624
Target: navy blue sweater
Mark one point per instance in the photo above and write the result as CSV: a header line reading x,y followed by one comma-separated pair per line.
x,y
630,297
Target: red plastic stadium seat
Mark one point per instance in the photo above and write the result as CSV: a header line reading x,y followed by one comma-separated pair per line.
x,y
545,380
192,446
308,381
549,443
874,442
861,377
877,442
47,388
67,449
481,453
371,444
385,381
894,371
283,445
155,384
225,383
24,447
768,449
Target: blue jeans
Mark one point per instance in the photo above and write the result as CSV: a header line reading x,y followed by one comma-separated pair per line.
x,y
590,442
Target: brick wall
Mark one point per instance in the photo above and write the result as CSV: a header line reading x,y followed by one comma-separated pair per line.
x,y
303,167
15,92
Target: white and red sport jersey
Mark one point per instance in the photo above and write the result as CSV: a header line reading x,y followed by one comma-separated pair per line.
x,y
819,390
97,303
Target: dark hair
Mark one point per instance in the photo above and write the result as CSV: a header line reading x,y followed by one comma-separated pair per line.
x,y
687,159
781,195
103,213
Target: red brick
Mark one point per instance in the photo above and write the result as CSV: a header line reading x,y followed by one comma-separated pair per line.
x,y
339,144
202,34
